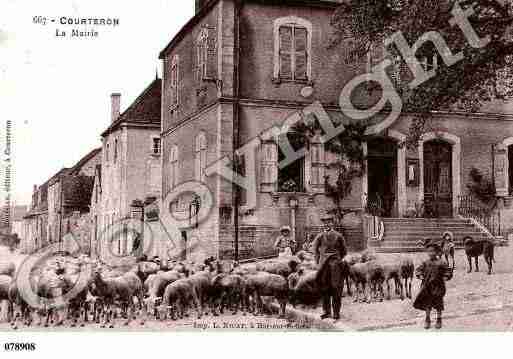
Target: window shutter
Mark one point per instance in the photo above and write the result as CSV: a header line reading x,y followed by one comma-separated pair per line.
x,y
269,178
301,39
286,52
211,55
501,170
317,158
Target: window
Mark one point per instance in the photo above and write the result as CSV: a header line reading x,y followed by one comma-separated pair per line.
x,y
174,82
115,150
292,57
107,153
155,145
206,55
173,167
291,177
200,158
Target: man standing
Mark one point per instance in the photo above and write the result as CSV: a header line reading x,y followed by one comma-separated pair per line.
x,y
329,249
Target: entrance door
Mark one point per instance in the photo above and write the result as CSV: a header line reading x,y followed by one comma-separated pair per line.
x,y
382,175
438,179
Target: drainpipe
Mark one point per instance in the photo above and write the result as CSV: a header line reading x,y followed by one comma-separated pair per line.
x,y
236,120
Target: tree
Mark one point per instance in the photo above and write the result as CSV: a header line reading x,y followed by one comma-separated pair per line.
x,y
350,164
483,74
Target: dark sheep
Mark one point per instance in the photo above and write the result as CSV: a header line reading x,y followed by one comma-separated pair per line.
x,y
265,284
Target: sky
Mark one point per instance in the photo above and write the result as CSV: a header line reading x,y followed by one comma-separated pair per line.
x,y
57,90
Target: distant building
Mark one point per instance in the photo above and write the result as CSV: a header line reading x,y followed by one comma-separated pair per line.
x,y
69,198
61,206
18,212
130,166
36,221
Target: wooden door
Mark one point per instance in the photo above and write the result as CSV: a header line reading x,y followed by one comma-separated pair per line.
x,y
438,179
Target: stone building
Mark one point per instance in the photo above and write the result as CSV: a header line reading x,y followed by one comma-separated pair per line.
x,y
36,221
130,167
238,68
60,205
69,197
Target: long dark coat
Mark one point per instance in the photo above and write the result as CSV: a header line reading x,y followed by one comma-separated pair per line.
x,y
433,273
329,249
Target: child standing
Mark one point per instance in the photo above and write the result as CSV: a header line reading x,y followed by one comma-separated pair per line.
x,y
285,244
433,272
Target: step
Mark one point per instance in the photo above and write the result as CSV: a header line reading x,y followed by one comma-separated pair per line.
x,y
417,240
420,236
401,226
402,244
425,220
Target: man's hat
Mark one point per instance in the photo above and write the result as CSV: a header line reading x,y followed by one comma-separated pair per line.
x,y
285,229
326,218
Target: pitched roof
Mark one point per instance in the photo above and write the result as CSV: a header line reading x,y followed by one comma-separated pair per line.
x,y
209,4
77,191
76,168
144,110
18,212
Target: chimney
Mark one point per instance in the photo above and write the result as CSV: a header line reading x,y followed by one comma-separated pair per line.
x,y
115,105
198,5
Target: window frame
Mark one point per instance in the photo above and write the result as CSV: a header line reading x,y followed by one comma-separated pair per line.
x,y
153,138
202,54
293,22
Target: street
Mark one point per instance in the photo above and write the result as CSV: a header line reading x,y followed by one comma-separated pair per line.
x,y
474,302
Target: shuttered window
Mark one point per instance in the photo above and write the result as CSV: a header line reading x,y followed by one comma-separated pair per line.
x,y
269,167
293,52
317,159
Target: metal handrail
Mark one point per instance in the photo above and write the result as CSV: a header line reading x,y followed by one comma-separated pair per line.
x,y
488,217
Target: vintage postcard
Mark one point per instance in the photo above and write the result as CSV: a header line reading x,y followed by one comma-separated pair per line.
x,y
254,165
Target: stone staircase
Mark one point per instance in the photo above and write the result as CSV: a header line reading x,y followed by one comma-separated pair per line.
x,y
402,234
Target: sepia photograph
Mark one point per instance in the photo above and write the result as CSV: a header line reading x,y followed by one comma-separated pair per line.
x,y
243,166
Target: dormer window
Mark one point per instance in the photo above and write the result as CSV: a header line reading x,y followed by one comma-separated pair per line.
x,y
292,49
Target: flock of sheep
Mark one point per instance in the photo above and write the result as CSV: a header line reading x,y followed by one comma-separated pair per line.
x,y
171,291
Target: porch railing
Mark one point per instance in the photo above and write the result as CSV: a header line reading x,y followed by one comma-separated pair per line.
x,y
488,217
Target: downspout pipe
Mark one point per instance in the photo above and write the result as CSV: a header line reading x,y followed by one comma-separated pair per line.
x,y
236,122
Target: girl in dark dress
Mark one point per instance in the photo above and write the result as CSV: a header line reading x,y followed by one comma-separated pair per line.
x,y
433,273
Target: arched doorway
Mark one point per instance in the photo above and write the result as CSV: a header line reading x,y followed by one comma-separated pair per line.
x,y
438,193
382,176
